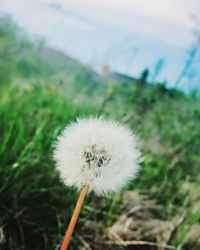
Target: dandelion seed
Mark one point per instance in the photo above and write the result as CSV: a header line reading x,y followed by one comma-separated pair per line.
x,y
96,155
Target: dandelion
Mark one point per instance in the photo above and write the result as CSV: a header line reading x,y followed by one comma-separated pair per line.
x,y
95,155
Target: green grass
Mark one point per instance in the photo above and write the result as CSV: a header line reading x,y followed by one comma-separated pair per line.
x,y
37,99
33,200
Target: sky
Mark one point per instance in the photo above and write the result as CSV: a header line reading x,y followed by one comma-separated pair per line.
x,y
128,35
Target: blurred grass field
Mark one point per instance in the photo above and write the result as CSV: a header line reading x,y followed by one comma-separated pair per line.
x,y
41,91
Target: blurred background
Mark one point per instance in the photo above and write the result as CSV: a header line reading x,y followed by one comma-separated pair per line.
x,y
133,61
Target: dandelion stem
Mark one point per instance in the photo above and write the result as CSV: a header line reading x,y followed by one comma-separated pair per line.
x,y
72,224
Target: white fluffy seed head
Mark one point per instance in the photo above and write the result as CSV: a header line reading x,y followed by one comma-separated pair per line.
x,y
98,153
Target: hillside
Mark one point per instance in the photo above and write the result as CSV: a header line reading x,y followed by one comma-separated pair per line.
x,y
42,90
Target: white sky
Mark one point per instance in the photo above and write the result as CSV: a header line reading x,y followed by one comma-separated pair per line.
x,y
94,30
168,21
175,11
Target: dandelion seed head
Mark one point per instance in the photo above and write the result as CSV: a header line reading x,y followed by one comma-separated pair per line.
x,y
99,153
